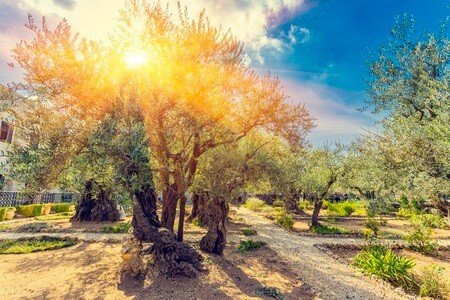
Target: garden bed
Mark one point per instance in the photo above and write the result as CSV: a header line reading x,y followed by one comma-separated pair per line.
x,y
34,244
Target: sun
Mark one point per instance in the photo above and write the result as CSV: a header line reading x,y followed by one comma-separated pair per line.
x,y
135,58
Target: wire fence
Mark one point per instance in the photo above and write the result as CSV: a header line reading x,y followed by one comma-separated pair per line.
x,y
17,198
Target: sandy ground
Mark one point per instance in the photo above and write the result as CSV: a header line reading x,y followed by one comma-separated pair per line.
x,y
89,270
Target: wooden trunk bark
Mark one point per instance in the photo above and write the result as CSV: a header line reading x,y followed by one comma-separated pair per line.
x,y
215,239
199,209
316,211
98,209
169,208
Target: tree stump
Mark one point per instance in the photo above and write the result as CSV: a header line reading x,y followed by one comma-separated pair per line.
x,y
132,263
215,239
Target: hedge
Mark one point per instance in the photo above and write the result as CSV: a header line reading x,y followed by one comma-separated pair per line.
x,y
32,210
61,207
2,213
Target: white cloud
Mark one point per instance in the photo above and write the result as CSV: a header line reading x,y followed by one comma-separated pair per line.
x,y
298,35
337,120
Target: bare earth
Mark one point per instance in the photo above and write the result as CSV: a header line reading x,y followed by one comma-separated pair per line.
x,y
291,263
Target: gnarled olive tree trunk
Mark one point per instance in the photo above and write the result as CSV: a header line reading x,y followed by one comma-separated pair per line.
x,y
199,208
169,208
99,208
217,214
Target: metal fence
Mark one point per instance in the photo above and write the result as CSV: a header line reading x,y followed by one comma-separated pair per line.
x,y
17,198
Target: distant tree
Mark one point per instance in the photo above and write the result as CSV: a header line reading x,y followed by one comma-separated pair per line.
x,y
323,168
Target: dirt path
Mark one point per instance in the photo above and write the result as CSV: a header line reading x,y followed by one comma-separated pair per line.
x,y
330,278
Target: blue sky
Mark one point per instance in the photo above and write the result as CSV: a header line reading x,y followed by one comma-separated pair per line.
x,y
316,47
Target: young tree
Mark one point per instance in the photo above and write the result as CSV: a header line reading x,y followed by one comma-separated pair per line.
x,y
323,168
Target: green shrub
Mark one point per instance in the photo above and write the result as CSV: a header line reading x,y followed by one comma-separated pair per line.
x,y
385,264
254,204
249,245
433,283
323,229
372,225
270,291
34,227
118,228
346,208
28,245
248,231
421,240
2,213
277,203
32,210
432,221
405,213
268,210
285,221
61,207
305,205
197,222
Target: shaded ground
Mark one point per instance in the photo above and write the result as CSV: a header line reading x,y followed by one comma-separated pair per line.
x,y
89,270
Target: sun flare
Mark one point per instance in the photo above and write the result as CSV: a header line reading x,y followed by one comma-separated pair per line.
x,y
135,58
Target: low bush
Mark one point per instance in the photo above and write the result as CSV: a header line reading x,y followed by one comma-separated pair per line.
x,y
270,291
372,225
248,231
277,203
28,245
323,229
285,221
118,228
385,264
430,220
34,227
32,210
254,204
2,213
61,216
249,245
268,210
305,205
346,208
433,283
46,209
421,240
61,207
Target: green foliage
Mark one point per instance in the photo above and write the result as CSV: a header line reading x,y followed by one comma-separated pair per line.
x,y
372,225
323,229
61,207
249,245
32,210
286,221
254,204
306,205
61,216
34,227
248,231
28,245
405,213
268,210
421,240
430,220
277,203
385,264
345,208
197,222
270,291
2,213
433,283
118,228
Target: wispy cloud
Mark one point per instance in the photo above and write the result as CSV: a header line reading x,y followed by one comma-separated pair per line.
x,y
66,4
337,119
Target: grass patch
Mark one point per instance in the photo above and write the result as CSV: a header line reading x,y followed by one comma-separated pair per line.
x,y
248,231
4,227
323,229
254,204
346,208
118,228
61,216
249,245
285,221
28,245
34,227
